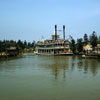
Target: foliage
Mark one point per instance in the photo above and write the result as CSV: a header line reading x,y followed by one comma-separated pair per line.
x,y
20,45
79,45
93,39
72,45
85,39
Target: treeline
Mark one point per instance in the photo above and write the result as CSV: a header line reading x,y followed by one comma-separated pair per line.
x,y
77,46
20,45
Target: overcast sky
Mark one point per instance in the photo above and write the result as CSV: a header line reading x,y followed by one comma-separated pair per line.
x,y
33,19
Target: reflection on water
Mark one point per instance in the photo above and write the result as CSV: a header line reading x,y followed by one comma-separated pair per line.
x,y
63,63
50,78
56,64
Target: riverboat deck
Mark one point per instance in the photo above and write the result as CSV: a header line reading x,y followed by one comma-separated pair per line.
x,y
54,46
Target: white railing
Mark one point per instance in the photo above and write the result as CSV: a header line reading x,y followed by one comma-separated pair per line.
x,y
57,47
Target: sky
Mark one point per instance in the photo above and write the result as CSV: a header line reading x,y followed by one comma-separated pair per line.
x,y
35,19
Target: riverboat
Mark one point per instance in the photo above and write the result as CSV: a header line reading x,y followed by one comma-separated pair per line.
x,y
54,46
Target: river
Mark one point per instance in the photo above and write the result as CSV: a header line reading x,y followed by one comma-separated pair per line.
x,y
33,77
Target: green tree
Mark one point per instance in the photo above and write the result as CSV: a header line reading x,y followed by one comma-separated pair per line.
x,y
73,45
4,45
79,45
1,46
85,39
33,44
20,45
25,44
29,44
93,39
12,43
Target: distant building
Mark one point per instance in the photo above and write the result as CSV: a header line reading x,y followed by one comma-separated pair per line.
x,y
12,51
97,49
88,48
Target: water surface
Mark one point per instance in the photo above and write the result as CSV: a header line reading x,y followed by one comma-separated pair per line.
x,y
50,78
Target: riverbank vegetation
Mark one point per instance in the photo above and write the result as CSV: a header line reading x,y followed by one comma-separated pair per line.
x,y
10,47
81,45
78,46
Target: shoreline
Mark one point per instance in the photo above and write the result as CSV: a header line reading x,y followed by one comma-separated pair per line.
x,y
83,55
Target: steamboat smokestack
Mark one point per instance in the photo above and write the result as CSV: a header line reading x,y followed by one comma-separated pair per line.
x,y
64,32
55,32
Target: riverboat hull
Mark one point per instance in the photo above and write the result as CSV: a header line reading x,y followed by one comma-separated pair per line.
x,y
57,54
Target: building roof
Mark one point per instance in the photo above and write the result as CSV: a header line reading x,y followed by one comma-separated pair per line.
x,y
88,47
11,48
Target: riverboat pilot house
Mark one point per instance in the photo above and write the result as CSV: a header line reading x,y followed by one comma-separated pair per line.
x,y
55,46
